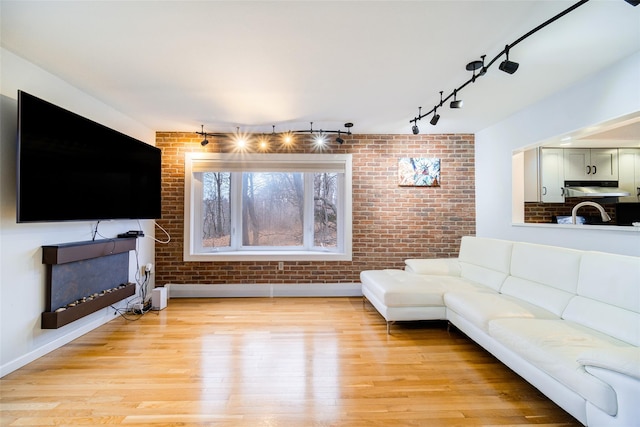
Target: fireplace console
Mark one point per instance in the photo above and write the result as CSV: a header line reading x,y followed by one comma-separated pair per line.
x,y
84,277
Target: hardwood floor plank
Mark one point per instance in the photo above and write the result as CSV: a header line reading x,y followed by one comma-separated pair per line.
x,y
272,362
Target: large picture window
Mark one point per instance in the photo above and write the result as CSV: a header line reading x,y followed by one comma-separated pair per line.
x,y
267,207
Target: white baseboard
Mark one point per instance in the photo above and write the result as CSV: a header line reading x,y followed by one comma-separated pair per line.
x,y
99,319
266,290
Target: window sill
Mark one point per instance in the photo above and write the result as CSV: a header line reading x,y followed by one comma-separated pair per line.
x,y
269,256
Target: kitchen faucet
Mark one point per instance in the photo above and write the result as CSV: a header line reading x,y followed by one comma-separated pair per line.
x,y
603,214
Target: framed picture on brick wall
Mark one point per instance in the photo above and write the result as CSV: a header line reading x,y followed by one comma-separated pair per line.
x,y
419,172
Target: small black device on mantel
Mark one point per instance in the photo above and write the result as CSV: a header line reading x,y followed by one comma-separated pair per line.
x,y
132,233
70,168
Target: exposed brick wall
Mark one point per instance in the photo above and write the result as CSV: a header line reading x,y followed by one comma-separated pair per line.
x,y
390,223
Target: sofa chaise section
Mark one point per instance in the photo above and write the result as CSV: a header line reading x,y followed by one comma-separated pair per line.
x,y
567,321
417,293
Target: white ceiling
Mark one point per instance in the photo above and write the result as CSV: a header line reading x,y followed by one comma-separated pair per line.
x,y
174,65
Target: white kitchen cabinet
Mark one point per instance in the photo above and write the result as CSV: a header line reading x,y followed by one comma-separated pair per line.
x,y
629,176
552,175
544,175
591,164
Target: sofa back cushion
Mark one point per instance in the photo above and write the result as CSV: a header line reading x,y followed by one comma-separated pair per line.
x,y
485,261
608,297
546,276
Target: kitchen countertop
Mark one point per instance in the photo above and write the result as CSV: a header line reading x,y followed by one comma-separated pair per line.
x,y
616,228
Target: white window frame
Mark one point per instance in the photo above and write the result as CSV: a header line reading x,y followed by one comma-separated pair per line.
x,y
195,162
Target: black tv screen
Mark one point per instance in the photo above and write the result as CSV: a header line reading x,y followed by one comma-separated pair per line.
x,y
70,168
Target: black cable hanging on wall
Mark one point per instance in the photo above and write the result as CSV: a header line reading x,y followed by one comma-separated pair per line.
x,y
507,66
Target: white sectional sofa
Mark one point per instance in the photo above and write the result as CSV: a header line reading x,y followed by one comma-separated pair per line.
x,y
567,321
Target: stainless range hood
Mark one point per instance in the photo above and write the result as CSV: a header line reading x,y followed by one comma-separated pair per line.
x,y
593,189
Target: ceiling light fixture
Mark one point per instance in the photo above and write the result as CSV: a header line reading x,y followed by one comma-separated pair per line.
x,y
242,140
415,129
456,103
204,141
320,139
206,135
478,64
507,66
435,118
339,140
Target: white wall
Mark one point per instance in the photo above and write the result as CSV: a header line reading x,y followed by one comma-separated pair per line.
x,y
22,274
609,94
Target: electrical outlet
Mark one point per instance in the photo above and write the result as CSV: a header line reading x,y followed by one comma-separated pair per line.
x,y
281,265
146,269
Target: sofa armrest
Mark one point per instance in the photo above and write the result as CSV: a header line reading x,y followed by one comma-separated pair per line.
x,y
435,266
627,390
622,360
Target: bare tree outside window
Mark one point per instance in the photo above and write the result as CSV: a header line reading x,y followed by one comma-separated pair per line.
x,y
216,208
273,209
325,211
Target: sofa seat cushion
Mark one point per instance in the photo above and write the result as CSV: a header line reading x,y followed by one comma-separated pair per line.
x,y
398,288
554,346
481,308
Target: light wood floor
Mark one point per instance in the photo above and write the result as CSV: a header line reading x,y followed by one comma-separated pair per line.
x,y
271,362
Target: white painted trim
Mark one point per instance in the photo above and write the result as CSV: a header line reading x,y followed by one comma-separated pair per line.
x,y
29,357
267,290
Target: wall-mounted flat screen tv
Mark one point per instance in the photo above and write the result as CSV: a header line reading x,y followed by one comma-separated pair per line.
x,y
70,168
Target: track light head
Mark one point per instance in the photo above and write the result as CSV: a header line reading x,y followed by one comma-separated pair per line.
x,y
456,103
435,118
339,139
204,134
415,128
633,2
507,66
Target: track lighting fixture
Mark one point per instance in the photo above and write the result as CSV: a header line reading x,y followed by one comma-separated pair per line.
x,y
339,139
506,65
456,103
435,118
415,128
206,135
242,140
204,141
633,2
478,64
